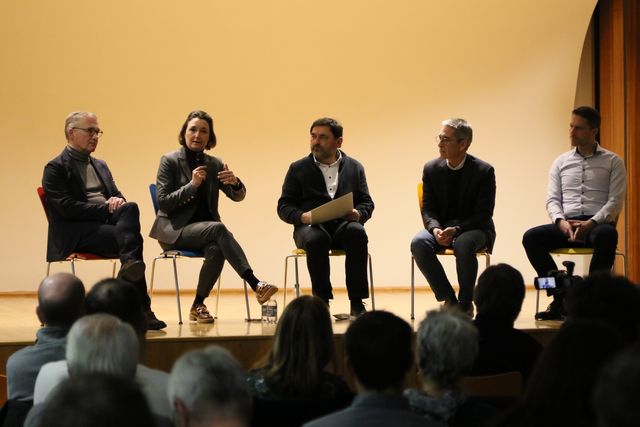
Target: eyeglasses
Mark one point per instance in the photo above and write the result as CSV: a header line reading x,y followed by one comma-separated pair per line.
x,y
92,131
444,138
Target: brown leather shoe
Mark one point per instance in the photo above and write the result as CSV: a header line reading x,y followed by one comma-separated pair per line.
x,y
264,291
199,313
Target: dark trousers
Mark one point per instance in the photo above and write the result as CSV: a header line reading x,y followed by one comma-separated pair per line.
x,y
424,247
218,244
538,241
119,236
317,240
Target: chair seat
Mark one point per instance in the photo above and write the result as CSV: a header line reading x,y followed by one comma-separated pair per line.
x,y
332,252
572,251
85,256
449,251
182,252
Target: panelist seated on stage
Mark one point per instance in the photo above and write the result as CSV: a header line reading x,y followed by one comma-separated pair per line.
x,y
325,174
459,194
87,212
586,190
188,186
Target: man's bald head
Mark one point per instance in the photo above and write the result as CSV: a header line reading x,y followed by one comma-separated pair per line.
x,y
60,300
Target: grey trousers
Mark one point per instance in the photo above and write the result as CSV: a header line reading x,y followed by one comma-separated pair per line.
x,y
465,246
218,244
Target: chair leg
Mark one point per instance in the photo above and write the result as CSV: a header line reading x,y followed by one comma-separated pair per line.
x,y
297,284
153,275
73,266
215,313
373,296
487,260
413,264
246,301
113,269
48,269
537,300
286,265
175,277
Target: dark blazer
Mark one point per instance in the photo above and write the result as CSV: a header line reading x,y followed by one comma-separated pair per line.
x,y
476,197
177,201
304,188
70,214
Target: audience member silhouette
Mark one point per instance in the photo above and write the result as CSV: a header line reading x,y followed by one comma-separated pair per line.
x,y
207,388
560,388
498,298
379,356
447,345
294,385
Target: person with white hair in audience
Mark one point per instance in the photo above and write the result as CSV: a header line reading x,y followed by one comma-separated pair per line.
x,y
207,388
446,347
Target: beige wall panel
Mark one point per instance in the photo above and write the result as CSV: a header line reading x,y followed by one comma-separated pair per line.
x,y
390,71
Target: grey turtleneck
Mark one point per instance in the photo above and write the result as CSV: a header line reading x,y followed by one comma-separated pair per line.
x,y
93,185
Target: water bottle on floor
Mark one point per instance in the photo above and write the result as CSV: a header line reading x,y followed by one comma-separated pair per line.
x,y
270,311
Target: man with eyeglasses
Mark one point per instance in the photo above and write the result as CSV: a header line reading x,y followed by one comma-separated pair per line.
x,y
459,193
87,212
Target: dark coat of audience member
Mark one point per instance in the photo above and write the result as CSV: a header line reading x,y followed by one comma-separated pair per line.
x,y
446,348
96,400
503,348
559,392
379,355
616,395
612,299
294,385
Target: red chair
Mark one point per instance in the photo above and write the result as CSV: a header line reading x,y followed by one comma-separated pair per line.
x,y
74,256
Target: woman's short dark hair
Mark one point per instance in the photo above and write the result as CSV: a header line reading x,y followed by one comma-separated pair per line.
x,y
199,114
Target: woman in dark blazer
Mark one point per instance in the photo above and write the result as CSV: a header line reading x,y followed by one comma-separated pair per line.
x,y
188,185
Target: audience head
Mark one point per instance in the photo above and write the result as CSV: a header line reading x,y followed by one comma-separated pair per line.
x,y
617,390
60,300
96,400
561,385
302,347
101,343
198,114
333,124
208,387
379,351
447,346
499,293
463,129
608,298
120,299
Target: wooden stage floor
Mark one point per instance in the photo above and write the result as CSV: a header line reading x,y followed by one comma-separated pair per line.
x,y
248,341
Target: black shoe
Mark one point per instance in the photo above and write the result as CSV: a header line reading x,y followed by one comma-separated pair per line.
x,y
357,308
132,271
153,323
553,312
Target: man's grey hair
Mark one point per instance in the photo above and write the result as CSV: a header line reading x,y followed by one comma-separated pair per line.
x,y
447,346
73,119
102,343
211,384
462,127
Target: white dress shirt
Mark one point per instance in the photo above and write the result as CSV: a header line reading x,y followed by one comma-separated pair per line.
x,y
587,186
330,173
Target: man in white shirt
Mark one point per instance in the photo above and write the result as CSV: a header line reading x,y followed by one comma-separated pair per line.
x,y
587,187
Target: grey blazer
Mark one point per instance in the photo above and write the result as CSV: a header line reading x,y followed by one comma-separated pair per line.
x,y
177,200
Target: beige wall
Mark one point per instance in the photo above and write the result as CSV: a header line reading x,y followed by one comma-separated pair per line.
x,y
390,71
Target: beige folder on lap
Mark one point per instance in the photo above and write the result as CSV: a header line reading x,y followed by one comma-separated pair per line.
x,y
331,210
